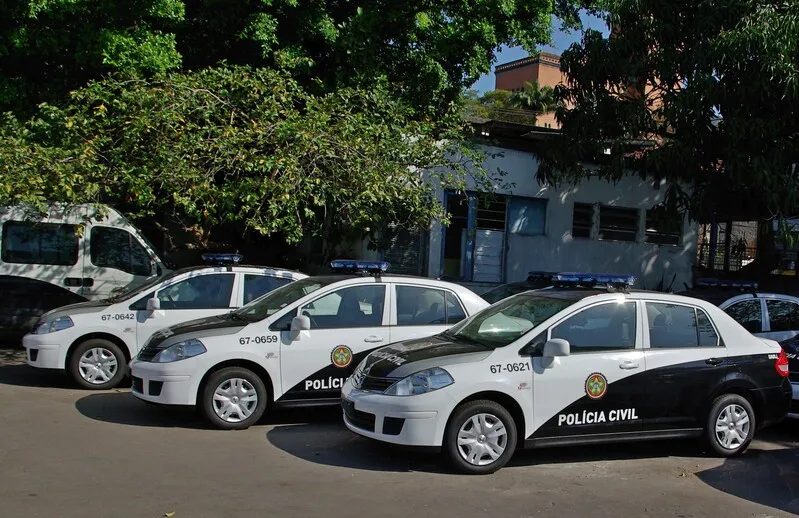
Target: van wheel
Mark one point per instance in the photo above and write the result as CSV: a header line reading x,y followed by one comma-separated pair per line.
x,y
480,437
234,398
730,425
97,364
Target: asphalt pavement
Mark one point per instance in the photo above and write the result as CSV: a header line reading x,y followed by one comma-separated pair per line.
x,y
66,453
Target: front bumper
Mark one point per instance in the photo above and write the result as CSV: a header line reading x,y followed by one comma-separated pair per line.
x,y
407,420
43,352
162,383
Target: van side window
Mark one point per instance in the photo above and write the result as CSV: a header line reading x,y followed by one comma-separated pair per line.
x,y
117,248
39,243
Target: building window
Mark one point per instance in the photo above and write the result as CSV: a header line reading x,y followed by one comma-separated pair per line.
x,y
662,227
582,220
491,212
618,224
527,216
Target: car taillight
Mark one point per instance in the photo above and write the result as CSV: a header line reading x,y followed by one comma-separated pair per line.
x,y
782,364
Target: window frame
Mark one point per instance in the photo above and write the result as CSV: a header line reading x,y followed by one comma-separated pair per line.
x,y
598,350
647,342
590,207
661,236
131,239
75,256
394,317
300,304
526,201
634,233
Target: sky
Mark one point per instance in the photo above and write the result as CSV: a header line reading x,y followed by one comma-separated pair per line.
x,y
561,41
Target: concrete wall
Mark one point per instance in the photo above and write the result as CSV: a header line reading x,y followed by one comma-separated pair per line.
x,y
557,250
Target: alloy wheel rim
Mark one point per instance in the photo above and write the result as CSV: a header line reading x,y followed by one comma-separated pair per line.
x,y
235,400
482,439
98,366
732,427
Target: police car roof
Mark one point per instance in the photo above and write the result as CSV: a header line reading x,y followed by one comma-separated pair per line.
x,y
578,293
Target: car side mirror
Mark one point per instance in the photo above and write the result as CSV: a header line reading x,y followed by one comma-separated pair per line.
x,y
556,347
153,304
299,324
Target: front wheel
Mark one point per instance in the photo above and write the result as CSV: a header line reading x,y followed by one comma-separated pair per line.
x,y
234,398
480,437
97,364
730,425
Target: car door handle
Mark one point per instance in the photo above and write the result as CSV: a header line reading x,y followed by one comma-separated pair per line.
x,y
373,339
714,361
73,282
628,365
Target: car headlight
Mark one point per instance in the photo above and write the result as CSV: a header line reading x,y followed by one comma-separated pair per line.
x,y
421,382
51,325
180,351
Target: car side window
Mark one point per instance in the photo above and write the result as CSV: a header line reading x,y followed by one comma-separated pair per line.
x,y
455,312
39,243
604,327
257,285
210,291
117,248
354,306
748,313
675,326
783,315
419,306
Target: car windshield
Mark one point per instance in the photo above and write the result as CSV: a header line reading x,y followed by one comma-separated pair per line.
x,y
278,299
505,322
130,292
504,291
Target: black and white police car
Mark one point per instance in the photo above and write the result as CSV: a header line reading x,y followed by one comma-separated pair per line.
x,y
586,361
93,341
296,345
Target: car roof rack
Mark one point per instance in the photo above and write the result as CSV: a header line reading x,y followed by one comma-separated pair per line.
x,y
222,259
610,281
726,284
375,268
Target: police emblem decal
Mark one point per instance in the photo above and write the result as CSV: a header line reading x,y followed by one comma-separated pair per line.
x,y
341,356
596,385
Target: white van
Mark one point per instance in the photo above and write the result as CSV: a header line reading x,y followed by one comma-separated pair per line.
x,y
72,254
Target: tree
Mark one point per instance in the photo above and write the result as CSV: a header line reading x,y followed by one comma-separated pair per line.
x,y
242,145
704,95
428,51
535,98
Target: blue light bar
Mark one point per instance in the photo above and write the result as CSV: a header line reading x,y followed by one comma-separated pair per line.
x,y
722,283
593,279
350,265
222,258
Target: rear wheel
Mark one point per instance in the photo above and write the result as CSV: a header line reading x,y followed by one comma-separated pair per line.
x,y
480,437
97,364
730,425
234,398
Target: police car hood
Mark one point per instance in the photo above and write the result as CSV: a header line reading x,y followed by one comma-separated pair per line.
x,y
200,328
404,358
92,306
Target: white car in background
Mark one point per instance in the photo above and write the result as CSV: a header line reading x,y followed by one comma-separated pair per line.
x,y
94,341
297,345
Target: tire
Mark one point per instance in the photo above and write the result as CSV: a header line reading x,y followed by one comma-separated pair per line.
x,y
731,409
97,364
464,420
237,382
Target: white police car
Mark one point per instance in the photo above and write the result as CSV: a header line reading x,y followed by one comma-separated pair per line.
x,y
94,340
572,365
295,346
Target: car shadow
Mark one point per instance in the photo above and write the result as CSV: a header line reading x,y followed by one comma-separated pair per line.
x,y
121,407
766,476
332,444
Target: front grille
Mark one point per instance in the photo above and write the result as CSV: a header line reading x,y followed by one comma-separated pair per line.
x,y
33,354
147,354
372,384
138,385
155,387
363,420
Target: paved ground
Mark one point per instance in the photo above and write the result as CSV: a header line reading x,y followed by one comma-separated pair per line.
x,y
65,452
